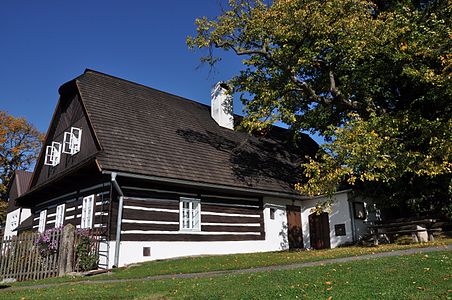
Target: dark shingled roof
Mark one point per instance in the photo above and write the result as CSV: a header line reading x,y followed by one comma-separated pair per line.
x,y
150,132
19,184
26,224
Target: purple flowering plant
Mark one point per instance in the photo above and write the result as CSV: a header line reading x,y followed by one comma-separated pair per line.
x,y
47,242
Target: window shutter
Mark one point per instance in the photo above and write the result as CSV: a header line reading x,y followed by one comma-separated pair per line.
x,y
90,211
42,221
87,212
59,221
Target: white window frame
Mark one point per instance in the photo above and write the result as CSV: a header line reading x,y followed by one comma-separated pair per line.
x,y
72,141
53,154
13,223
187,216
42,220
59,219
87,212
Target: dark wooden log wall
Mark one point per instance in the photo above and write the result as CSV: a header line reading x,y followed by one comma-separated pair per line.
x,y
73,209
153,215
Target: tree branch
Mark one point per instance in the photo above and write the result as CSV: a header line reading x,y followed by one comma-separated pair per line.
x,y
264,51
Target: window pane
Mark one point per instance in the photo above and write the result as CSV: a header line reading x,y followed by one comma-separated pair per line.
x,y
190,213
195,215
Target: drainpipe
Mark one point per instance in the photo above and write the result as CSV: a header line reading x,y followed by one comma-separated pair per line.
x,y
118,223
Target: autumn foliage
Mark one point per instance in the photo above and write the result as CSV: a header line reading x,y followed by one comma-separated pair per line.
x,y
20,143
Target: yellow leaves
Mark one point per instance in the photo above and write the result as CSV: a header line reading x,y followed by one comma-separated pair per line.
x,y
375,150
403,46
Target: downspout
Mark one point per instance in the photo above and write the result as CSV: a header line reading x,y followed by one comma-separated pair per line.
x,y
118,223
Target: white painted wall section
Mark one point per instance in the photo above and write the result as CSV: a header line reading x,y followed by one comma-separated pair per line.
x,y
12,220
361,226
340,214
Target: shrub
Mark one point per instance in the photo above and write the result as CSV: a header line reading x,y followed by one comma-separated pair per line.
x,y
87,257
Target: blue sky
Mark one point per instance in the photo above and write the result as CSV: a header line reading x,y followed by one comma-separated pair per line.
x,y
46,43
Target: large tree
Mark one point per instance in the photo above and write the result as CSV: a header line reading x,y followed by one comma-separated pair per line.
x,y
20,143
373,77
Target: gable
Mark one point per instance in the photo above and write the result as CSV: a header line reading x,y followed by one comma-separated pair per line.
x,y
69,113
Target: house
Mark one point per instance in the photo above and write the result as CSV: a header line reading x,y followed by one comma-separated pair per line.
x,y
161,176
17,216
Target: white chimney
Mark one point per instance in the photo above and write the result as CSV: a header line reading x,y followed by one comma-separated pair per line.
x,y
221,106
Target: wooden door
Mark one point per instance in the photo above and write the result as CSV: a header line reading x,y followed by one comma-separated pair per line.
x,y
294,230
319,231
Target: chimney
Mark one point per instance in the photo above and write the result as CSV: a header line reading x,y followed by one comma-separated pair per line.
x,y
221,106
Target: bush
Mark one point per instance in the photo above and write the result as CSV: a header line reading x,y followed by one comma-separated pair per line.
x,y
87,257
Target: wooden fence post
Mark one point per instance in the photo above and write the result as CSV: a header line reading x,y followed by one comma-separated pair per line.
x,y
66,250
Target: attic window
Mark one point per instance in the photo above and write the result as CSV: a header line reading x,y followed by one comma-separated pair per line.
x,y
53,154
72,140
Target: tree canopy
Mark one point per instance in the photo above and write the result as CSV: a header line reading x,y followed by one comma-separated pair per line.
x,y
20,143
373,77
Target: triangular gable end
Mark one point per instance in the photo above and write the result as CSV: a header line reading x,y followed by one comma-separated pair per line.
x,y
69,113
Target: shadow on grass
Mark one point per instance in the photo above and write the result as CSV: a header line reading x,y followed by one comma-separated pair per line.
x,y
4,286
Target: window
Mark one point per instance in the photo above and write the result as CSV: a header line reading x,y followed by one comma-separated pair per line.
x,y
146,251
359,210
272,213
87,212
42,221
72,140
339,229
190,214
53,154
14,221
59,221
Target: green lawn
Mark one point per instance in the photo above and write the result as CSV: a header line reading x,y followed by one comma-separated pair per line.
x,y
239,261
419,276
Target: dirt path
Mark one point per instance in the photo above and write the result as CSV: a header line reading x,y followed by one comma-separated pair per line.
x,y
240,271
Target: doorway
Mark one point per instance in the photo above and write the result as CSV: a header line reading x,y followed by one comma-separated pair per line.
x,y
294,229
319,231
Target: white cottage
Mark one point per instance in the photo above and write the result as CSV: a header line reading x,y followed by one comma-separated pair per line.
x,y
161,176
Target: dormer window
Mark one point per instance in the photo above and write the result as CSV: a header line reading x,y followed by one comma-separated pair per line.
x,y
72,141
53,154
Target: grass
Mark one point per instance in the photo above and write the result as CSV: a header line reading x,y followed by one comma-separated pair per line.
x,y
232,262
419,276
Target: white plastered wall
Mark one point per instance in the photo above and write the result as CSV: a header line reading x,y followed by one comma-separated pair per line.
x,y
372,214
340,214
23,213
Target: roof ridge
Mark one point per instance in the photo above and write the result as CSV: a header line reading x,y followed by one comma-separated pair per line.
x,y
87,70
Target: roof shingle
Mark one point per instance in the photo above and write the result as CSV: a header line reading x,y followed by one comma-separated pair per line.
x,y
150,132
